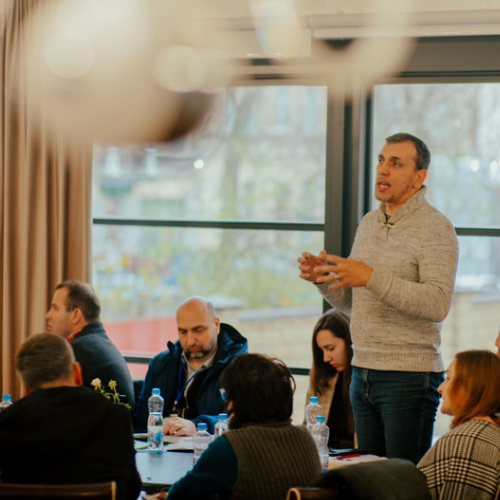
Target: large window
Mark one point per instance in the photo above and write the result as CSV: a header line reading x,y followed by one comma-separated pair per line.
x,y
279,169
223,213
459,123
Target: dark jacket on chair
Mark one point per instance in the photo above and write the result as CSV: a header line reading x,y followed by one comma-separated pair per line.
x,y
393,479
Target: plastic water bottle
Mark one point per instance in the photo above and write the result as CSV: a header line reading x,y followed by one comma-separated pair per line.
x,y
155,421
313,409
320,434
201,440
6,402
222,425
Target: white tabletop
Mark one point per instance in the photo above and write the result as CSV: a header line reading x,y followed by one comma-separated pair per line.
x,y
163,469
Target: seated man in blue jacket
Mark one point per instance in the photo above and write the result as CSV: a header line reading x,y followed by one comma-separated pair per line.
x,y
188,373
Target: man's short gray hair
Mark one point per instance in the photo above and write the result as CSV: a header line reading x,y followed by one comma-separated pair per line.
x,y
42,358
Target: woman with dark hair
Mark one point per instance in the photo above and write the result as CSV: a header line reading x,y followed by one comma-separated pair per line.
x,y
465,463
330,376
263,454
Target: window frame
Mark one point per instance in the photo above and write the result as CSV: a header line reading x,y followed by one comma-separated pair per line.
x,y
348,167
333,227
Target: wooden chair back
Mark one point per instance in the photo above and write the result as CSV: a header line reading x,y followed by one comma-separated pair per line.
x,y
93,491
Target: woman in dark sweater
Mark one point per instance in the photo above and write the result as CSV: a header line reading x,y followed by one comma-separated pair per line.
x,y
263,454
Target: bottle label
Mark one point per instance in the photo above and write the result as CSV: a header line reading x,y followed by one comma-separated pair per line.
x,y
155,437
325,461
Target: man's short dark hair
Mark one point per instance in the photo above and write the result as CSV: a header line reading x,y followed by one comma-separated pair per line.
x,y
260,389
83,296
42,358
423,158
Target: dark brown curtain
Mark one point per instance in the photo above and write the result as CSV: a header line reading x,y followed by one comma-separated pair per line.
x,y
45,201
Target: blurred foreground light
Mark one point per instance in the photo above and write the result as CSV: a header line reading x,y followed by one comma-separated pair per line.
x,y
199,164
68,55
120,70
113,10
277,27
182,68
372,50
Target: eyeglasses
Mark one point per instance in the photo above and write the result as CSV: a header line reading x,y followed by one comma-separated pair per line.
x,y
223,394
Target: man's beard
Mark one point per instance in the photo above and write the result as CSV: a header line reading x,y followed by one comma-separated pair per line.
x,y
202,353
197,354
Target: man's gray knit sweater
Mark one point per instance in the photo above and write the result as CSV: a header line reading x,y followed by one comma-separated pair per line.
x,y
396,319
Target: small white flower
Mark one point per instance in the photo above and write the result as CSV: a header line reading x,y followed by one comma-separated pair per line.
x,y
96,382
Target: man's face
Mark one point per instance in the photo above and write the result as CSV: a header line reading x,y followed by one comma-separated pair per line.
x,y
198,331
397,176
59,320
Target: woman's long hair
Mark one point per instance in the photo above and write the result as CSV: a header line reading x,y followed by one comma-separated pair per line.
x,y
475,387
322,373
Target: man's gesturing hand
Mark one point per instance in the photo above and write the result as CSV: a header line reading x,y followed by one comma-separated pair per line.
x,y
343,272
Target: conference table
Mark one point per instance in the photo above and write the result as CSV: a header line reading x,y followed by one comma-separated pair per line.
x,y
159,470
162,469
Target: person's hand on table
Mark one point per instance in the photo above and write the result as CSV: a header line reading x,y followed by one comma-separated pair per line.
x,y
155,496
179,427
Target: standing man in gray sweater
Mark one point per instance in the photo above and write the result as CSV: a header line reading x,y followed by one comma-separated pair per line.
x,y
397,285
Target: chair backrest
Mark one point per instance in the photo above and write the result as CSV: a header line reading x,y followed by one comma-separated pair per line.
x,y
390,479
93,491
314,494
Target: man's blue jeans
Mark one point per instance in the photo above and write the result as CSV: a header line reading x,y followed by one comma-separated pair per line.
x,y
394,411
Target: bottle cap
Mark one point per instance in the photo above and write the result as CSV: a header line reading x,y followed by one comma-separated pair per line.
x,y
6,397
202,426
313,399
223,416
156,391
320,419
